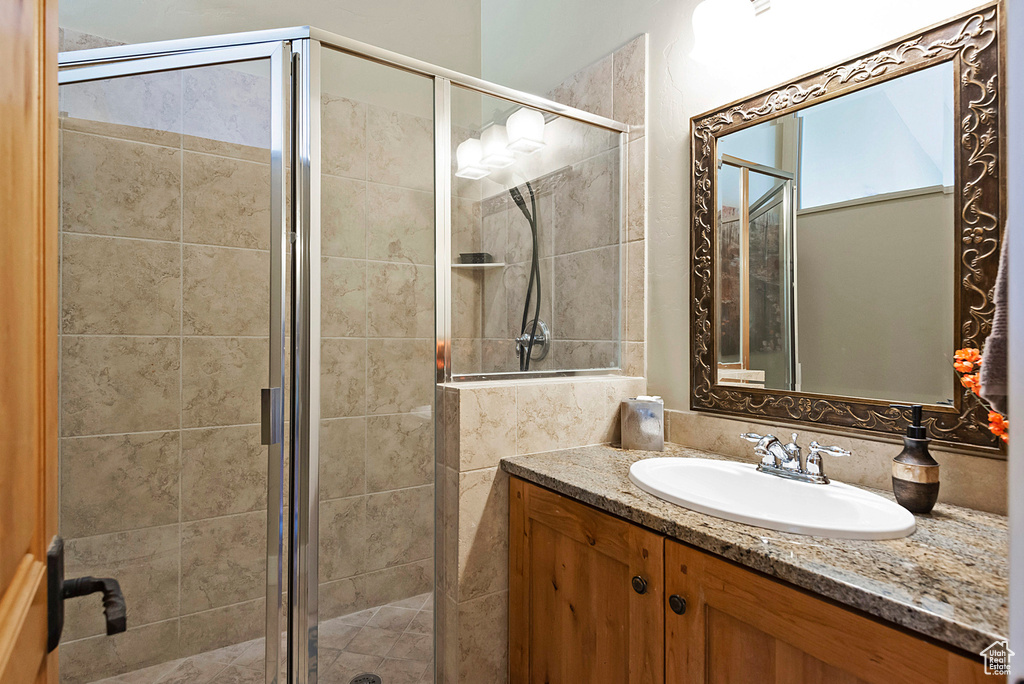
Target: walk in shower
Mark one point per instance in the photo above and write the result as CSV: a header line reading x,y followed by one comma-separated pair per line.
x,y
272,253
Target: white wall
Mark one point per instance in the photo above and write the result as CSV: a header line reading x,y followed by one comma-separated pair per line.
x,y
443,32
534,44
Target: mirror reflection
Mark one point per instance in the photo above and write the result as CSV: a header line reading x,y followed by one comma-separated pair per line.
x,y
835,246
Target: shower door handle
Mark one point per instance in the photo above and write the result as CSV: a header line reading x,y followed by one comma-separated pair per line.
x,y
58,589
272,415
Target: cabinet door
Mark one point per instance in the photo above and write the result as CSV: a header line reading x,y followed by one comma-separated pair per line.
x,y
740,627
585,594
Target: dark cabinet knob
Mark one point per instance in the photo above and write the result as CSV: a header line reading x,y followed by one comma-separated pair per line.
x,y
677,603
639,585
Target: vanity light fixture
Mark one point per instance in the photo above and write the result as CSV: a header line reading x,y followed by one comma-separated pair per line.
x,y
468,156
761,6
525,130
496,154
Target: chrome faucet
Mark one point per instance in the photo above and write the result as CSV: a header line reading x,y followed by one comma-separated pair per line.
x,y
786,460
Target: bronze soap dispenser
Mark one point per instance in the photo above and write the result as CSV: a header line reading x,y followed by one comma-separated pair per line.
x,y
915,474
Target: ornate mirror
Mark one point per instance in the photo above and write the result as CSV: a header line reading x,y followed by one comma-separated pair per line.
x,y
846,236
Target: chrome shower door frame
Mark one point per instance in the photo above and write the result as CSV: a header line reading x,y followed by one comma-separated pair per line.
x,y
78,67
295,55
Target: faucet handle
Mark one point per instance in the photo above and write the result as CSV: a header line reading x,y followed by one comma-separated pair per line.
x,y
830,450
753,437
815,464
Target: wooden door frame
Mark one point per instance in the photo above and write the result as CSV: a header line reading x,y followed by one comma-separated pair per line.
x,y
28,333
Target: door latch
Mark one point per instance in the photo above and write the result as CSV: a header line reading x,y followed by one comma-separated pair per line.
x,y
58,589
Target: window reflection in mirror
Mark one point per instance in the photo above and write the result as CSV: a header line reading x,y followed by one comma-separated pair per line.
x,y
835,246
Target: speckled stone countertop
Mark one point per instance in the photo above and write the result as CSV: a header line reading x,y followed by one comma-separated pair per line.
x,y
949,580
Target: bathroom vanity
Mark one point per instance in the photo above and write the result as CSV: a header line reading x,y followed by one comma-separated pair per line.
x,y
610,584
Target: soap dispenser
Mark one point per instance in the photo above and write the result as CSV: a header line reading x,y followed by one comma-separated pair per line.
x,y
915,474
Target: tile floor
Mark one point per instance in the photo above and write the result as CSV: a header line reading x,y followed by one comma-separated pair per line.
x,y
394,642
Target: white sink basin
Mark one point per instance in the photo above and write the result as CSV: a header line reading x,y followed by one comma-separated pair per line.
x,y
738,492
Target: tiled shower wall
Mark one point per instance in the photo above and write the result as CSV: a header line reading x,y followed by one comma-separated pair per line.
x,y
486,421
164,271
585,250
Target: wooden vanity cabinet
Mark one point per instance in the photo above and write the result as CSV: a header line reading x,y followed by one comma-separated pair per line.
x,y
585,594
741,626
576,617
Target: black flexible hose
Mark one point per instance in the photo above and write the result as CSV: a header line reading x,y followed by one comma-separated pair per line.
x,y
531,218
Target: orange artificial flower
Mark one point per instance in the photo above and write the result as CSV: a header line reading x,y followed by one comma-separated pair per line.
x,y
999,426
971,382
966,360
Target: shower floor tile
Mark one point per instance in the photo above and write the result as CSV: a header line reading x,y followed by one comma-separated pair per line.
x,y
392,641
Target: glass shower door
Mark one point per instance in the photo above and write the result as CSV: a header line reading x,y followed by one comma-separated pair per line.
x,y
363,429
171,341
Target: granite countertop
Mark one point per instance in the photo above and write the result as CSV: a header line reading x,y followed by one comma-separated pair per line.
x,y
949,580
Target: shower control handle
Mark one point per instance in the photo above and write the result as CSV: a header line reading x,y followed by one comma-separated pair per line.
x,y
58,589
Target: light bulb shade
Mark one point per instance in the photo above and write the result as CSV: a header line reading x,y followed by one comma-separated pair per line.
x,y
494,140
525,130
467,157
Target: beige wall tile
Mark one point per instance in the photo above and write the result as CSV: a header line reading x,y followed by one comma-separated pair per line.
x,y
343,297
635,287
118,384
399,451
153,136
144,562
375,588
400,149
342,457
400,224
226,291
222,148
483,533
589,89
629,82
223,561
343,217
221,379
466,233
225,104
221,627
399,526
118,482
634,359
487,426
498,356
636,189
494,234
227,202
587,295
586,207
467,314
483,639
342,378
112,286
343,137
466,355
223,471
399,375
451,533
117,187
400,300
101,656
582,354
342,548
452,436
559,415
494,304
